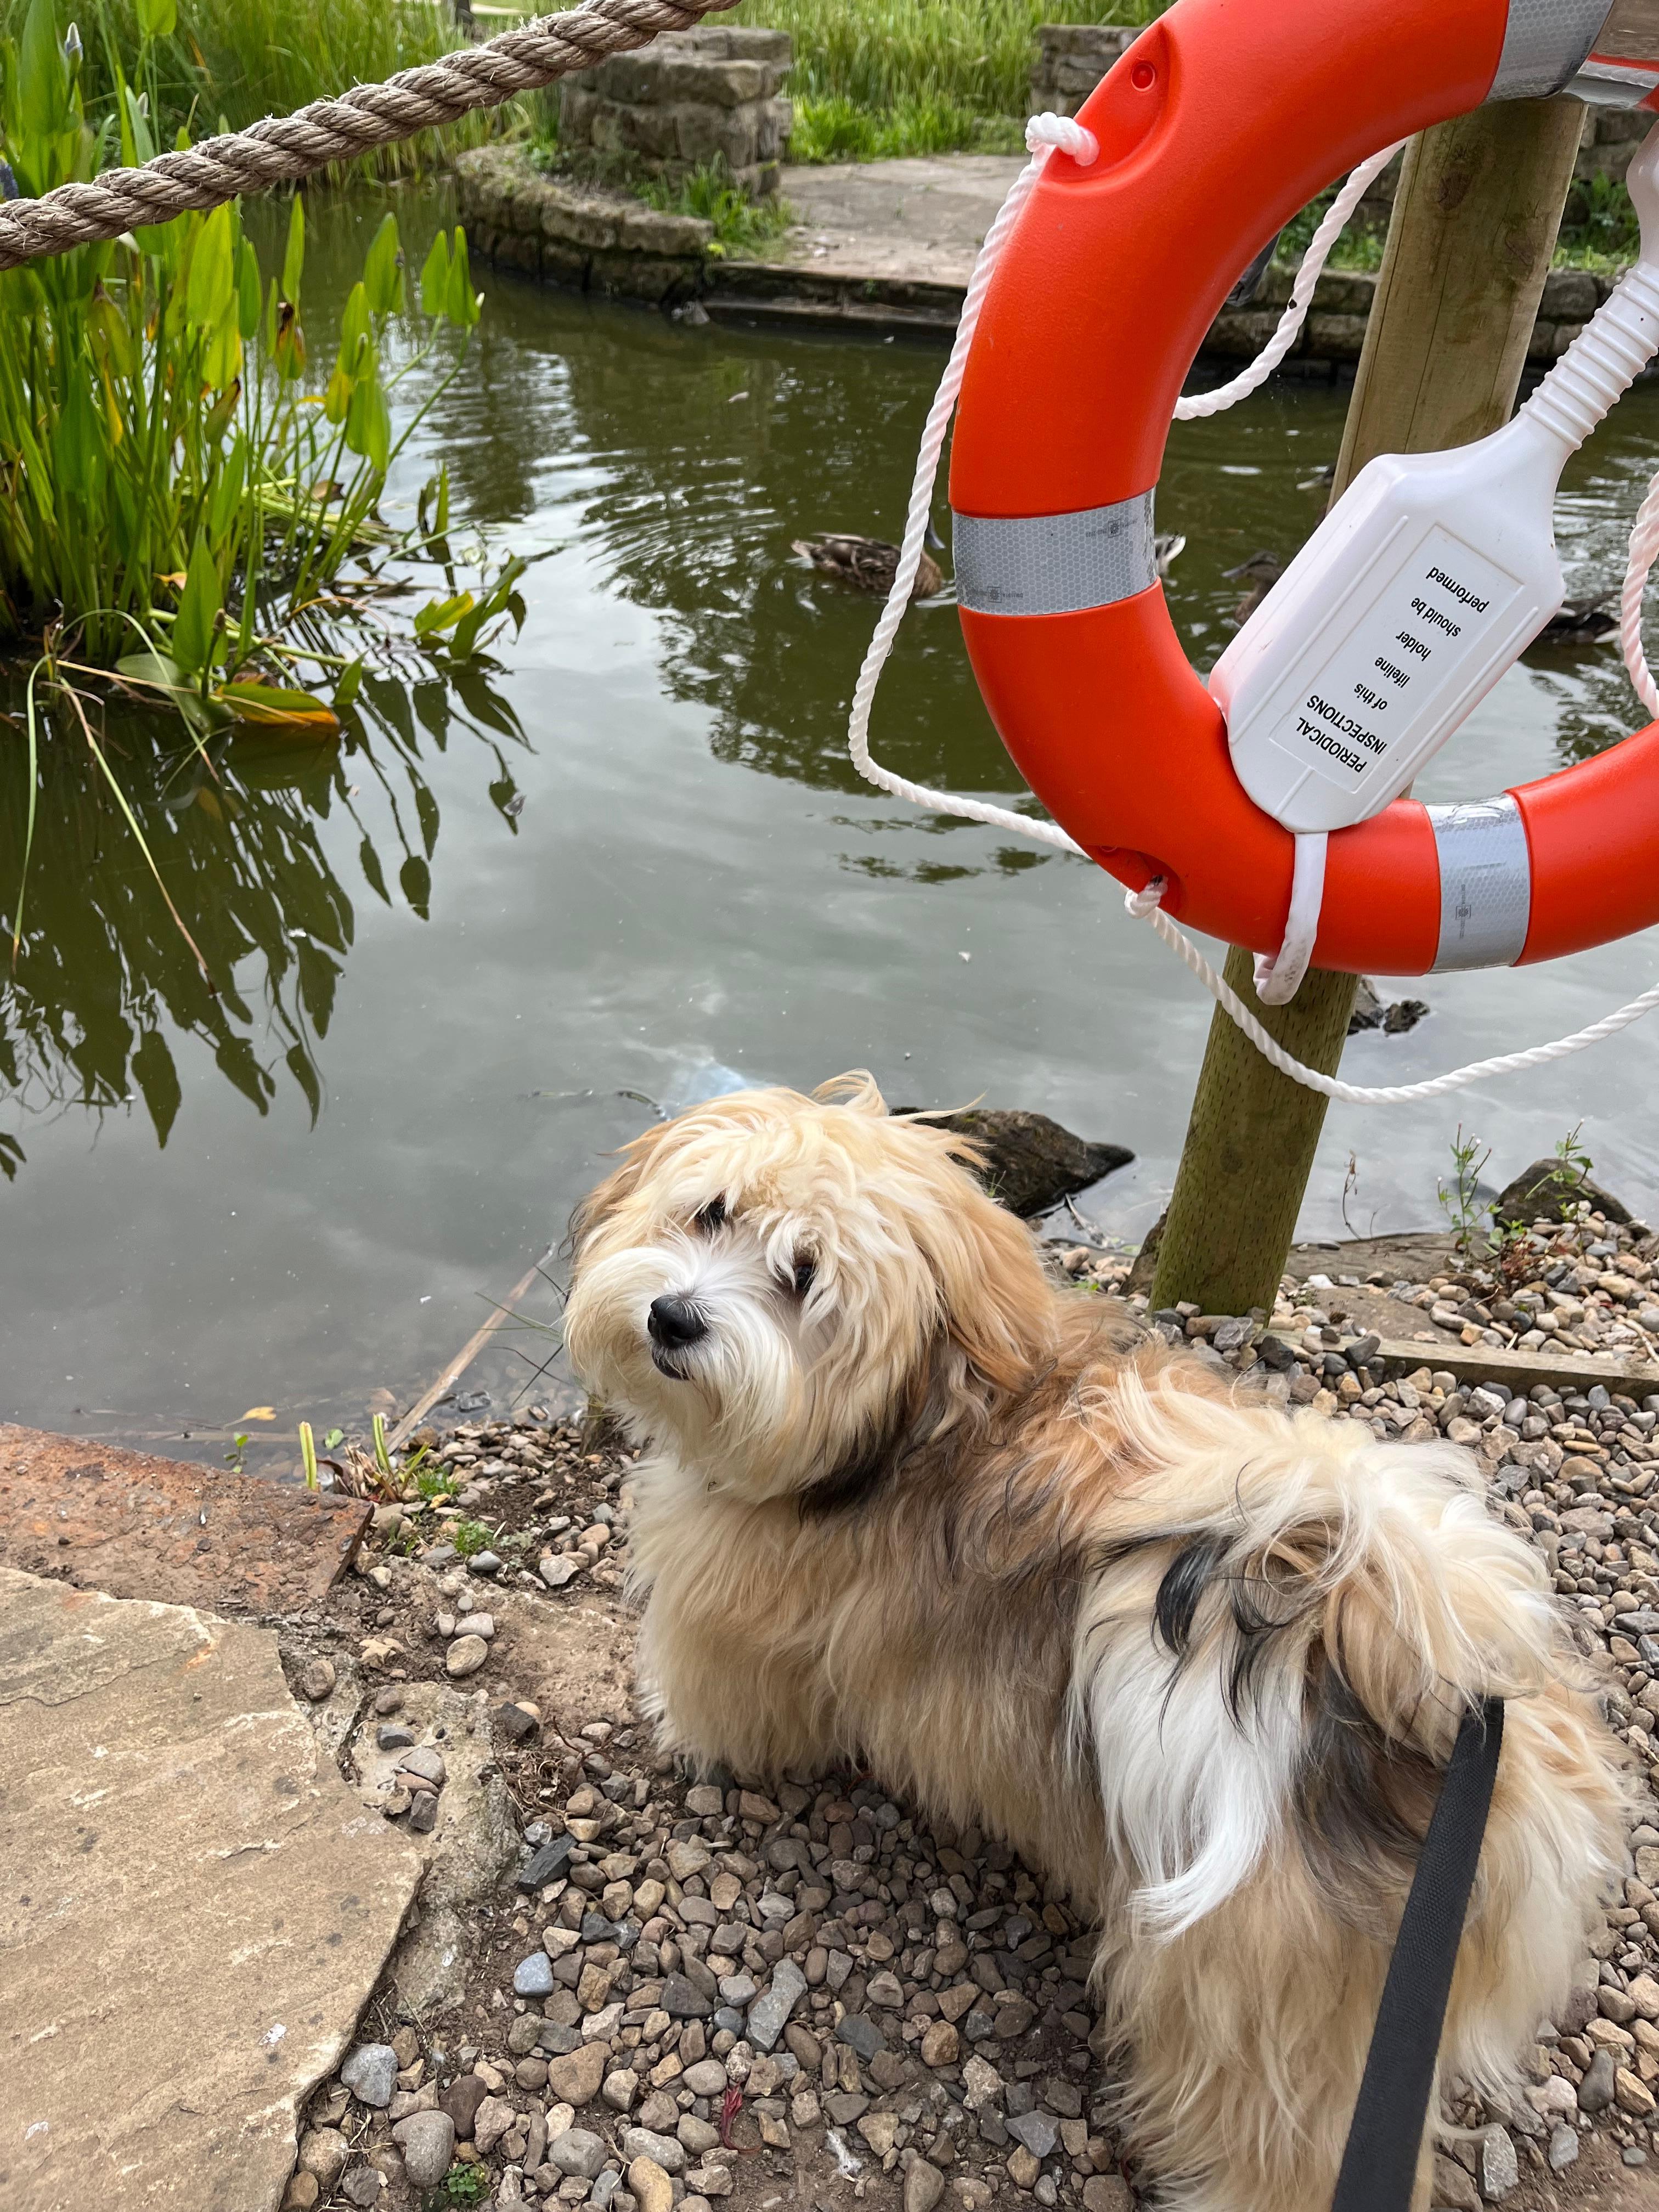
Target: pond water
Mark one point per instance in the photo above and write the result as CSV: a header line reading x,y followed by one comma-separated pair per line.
x,y
631,855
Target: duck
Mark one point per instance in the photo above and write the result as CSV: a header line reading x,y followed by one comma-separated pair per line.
x,y
1260,572
870,563
1581,621
1167,550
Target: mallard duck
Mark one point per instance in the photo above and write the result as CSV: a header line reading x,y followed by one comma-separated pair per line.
x,y
1262,572
1581,621
871,563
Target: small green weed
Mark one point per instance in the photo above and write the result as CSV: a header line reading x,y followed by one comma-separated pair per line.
x,y
1462,1202
1599,230
1575,1162
235,1456
469,1537
432,1483
466,2186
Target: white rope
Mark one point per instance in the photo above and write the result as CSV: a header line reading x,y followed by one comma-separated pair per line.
x,y
1043,134
1643,547
1333,223
1143,905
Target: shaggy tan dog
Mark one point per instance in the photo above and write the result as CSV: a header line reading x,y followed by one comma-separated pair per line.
x,y
904,1503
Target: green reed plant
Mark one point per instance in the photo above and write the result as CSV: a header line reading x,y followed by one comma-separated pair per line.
x,y
167,473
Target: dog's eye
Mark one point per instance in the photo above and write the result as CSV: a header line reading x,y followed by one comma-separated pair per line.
x,y
806,1272
712,1215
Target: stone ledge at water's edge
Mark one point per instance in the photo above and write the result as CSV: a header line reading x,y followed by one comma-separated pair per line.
x,y
883,246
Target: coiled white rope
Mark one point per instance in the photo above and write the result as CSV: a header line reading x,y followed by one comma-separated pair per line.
x,y
1043,134
1331,226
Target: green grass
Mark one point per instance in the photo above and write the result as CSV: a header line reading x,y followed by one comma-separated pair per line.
x,y
880,78
741,224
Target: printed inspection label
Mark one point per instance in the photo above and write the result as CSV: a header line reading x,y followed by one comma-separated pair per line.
x,y
1432,616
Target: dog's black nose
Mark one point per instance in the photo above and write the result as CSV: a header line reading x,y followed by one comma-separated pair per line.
x,y
674,1321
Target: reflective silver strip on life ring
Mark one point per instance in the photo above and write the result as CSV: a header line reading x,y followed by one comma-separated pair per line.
x,y
1485,883
1546,44
1054,564
1614,84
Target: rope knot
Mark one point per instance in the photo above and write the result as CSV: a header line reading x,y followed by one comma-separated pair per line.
x,y
1070,137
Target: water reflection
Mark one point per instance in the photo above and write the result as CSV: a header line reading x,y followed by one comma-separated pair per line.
x,y
106,990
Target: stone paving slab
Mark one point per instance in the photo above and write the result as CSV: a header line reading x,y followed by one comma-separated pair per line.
x,y
921,218
136,1526
194,1906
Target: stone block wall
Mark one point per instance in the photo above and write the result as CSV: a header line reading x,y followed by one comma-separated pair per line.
x,y
691,98
1071,59
591,239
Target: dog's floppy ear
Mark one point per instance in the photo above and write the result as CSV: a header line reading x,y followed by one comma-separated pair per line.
x,y
996,1302
600,1203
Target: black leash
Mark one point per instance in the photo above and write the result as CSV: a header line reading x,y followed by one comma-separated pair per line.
x,y
1379,2166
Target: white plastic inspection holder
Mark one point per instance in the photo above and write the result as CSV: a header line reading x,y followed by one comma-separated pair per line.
x,y
1429,578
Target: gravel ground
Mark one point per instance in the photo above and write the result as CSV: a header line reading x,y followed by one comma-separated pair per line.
x,y
691,1991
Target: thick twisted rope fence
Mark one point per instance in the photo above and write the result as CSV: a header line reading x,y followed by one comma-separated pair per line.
x,y
283,149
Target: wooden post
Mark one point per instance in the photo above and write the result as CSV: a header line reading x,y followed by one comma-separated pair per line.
x,y
1474,226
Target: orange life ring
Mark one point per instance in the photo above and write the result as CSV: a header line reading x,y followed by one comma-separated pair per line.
x,y
1214,129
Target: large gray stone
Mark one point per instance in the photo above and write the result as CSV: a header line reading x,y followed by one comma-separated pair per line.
x,y
370,2072
770,2013
222,1904
578,2151
427,2141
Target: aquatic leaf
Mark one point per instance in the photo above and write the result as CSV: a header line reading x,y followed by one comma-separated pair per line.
x,y
369,860
355,329
43,77
426,813
77,443
294,256
153,668
197,640
211,292
346,689
338,398
247,291
416,879
300,1067
289,349
434,276
439,615
383,270
266,756
259,1413
272,706
462,304
216,420
158,1081
222,365
368,423
138,139
228,493
21,292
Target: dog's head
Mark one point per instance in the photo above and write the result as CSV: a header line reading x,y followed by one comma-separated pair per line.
x,y
788,1291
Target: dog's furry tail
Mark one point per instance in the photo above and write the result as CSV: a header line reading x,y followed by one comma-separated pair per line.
x,y
1283,1662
